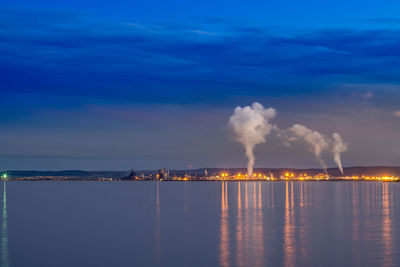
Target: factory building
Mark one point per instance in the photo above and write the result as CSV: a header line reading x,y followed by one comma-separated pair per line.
x,y
163,174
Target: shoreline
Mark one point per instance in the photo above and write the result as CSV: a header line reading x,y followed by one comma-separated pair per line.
x,y
192,180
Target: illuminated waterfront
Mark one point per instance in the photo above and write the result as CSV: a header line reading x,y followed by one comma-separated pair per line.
x,y
366,173
240,223
290,176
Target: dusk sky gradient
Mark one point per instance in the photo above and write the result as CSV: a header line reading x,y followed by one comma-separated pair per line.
x,y
115,85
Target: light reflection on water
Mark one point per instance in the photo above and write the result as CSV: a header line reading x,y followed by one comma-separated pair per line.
x,y
224,244
200,224
372,241
157,230
5,262
387,231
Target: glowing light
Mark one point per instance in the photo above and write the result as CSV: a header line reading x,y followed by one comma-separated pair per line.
x,y
223,175
292,176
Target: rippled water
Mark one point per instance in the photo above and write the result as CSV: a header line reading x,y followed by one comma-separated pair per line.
x,y
200,224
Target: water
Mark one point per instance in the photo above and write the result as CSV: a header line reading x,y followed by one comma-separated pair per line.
x,y
200,224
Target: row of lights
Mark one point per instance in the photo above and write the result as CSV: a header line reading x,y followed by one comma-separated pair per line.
x,y
292,176
375,178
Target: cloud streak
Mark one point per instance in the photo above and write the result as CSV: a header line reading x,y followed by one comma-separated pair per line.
x,y
83,55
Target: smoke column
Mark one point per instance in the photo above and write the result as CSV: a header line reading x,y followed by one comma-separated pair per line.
x,y
338,146
251,126
317,141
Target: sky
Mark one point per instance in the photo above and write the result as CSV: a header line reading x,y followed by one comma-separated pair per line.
x,y
115,85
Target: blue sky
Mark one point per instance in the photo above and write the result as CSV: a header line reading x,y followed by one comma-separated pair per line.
x,y
104,85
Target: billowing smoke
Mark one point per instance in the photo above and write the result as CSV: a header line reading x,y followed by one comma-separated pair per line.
x,y
320,143
338,146
317,142
251,126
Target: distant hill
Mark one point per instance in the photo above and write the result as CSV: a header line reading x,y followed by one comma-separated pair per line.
x,y
68,173
348,171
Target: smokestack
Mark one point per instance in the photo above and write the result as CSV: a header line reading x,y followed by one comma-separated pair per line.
x,y
251,126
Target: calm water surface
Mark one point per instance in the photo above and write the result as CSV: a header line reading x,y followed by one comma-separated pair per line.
x,y
200,224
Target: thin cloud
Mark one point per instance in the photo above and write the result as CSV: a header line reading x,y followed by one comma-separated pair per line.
x,y
368,95
91,55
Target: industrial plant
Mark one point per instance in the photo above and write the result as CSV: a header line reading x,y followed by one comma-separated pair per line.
x,y
263,175
367,174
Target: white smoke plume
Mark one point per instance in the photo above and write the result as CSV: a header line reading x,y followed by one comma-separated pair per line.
x,y
338,146
251,126
318,142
